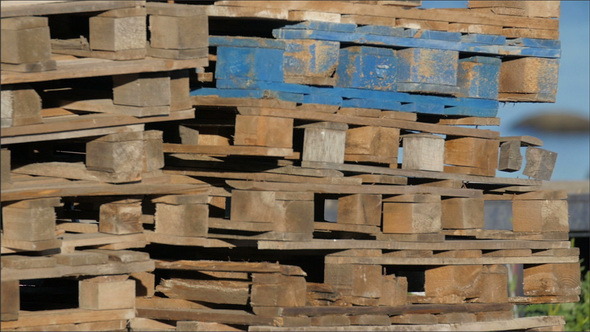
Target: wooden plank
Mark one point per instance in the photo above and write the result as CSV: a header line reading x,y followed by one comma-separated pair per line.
x,y
252,12
30,190
385,260
208,265
66,316
71,241
524,140
446,245
71,134
329,226
63,270
90,67
498,325
423,174
346,189
470,121
153,237
227,150
31,8
90,121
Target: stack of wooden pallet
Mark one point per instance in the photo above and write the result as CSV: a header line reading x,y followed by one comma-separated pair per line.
x,y
282,165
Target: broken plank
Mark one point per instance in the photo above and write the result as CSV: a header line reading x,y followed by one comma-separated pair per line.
x,y
224,316
208,265
66,316
153,237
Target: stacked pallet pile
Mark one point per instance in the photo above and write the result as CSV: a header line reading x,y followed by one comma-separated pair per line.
x,y
276,166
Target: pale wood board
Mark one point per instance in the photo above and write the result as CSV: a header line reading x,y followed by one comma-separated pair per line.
x,y
66,316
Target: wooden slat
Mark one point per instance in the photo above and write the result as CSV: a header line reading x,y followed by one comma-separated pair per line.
x,y
451,260
31,8
66,316
227,150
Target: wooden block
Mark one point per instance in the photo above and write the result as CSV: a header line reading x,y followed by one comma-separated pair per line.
x,y
117,153
5,177
477,153
412,218
120,218
423,152
375,141
259,206
495,281
427,319
510,158
154,151
19,106
540,216
537,8
287,291
453,283
394,291
180,98
174,32
263,131
417,65
330,320
10,300
360,209
479,77
111,33
299,218
28,224
262,63
182,220
25,40
101,293
311,58
367,68
539,163
188,135
142,89
462,213
552,279
325,142
145,284
530,76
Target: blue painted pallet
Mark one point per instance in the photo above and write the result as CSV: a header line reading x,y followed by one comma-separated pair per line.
x,y
428,39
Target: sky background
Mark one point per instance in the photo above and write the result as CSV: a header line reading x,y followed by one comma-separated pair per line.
x,y
573,160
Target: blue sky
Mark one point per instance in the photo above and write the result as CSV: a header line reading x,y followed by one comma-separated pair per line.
x,y
573,161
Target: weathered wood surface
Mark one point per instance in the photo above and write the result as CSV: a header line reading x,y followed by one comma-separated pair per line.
x,y
28,319
27,8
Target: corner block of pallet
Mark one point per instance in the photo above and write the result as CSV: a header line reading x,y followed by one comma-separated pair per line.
x,y
494,281
263,131
5,167
479,77
20,105
372,140
117,153
310,58
478,156
324,142
30,220
142,89
106,292
530,75
412,214
277,290
539,163
10,300
453,283
179,32
154,150
25,40
119,29
510,158
552,279
462,213
423,152
360,209
182,219
362,280
366,67
250,63
394,291
121,217
424,65
180,98
540,216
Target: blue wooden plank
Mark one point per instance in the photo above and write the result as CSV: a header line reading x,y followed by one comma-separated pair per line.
x,y
484,39
438,89
228,93
324,26
246,42
417,43
367,68
533,42
439,35
386,31
265,64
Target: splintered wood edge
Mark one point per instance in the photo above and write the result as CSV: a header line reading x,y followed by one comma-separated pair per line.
x,y
524,140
